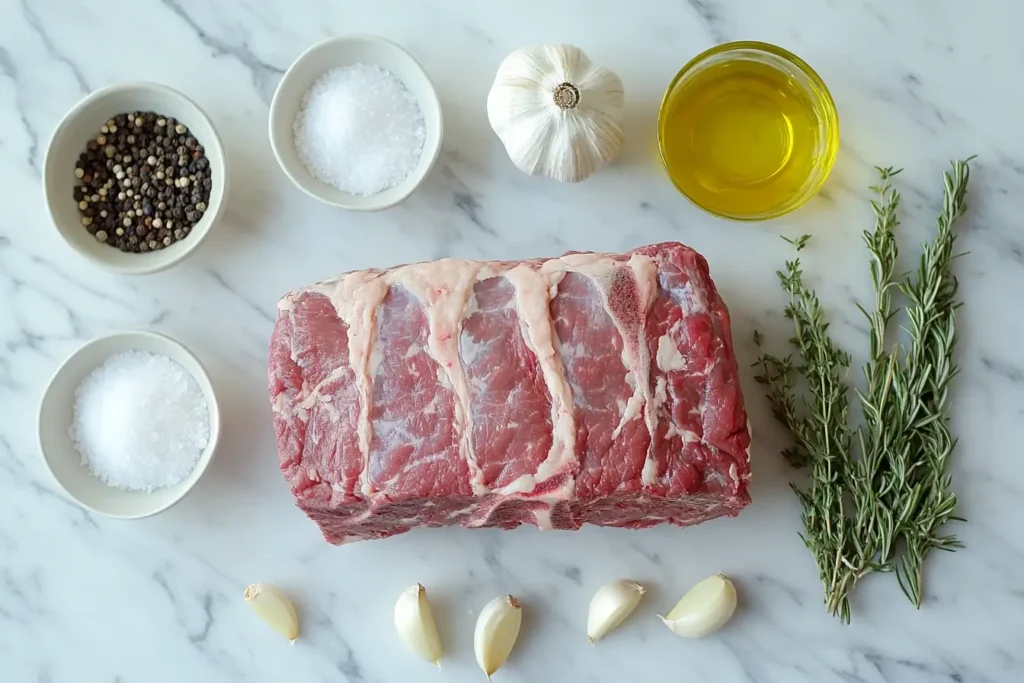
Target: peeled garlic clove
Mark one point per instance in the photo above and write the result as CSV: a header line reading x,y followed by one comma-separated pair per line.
x,y
610,606
704,609
415,623
496,631
273,608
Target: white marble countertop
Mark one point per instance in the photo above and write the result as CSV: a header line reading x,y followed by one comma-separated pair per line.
x,y
84,599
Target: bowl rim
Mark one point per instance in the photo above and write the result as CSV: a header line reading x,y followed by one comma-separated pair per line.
x,y
215,144
821,90
213,407
411,181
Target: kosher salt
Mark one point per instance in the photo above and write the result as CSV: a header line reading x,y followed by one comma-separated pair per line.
x,y
140,421
359,129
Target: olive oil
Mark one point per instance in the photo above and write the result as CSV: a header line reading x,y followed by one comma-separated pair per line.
x,y
748,135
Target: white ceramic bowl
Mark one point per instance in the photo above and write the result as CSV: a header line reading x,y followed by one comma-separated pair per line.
x,y
55,415
344,51
82,124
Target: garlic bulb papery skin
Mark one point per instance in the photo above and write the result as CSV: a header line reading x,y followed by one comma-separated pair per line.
x,y
276,610
610,606
414,621
496,631
704,609
557,113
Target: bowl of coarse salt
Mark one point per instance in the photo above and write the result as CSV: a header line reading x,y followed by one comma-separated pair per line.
x,y
355,122
128,424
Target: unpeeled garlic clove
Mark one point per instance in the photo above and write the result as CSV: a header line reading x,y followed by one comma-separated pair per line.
x,y
496,631
610,606
414,621
271,605
704,609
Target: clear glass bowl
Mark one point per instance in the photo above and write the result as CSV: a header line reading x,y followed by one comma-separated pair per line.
x,y
801,76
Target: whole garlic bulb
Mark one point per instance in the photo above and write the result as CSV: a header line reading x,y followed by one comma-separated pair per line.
x,y
557,113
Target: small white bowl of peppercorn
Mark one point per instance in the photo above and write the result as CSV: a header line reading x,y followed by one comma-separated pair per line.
x,y
134,177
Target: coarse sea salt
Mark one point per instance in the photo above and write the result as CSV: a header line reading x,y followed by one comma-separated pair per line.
x,y
359,129
140,421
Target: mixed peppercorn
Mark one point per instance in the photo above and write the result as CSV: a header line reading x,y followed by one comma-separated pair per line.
x,y
144,182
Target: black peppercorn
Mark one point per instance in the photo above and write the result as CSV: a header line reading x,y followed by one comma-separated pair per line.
x,y
139,176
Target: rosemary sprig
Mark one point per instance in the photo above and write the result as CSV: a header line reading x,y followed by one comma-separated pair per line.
x,y
893,491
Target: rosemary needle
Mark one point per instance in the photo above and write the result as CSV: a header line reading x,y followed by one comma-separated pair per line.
x,y
879,495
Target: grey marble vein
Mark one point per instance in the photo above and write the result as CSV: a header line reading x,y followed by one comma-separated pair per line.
x,y
36,23
264,76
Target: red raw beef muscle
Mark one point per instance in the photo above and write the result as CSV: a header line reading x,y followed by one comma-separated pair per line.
x,y
590,388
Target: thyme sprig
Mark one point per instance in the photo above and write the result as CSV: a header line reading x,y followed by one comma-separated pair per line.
x,y
879,495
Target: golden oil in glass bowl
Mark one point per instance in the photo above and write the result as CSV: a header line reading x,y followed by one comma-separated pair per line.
x,y
748,131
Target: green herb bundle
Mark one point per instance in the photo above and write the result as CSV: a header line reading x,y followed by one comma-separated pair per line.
x,y
879,494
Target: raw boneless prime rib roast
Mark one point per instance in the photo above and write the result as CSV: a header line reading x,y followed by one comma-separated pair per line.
x,y
590,388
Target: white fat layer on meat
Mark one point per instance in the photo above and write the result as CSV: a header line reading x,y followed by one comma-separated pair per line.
x,y
374,361
629,412
355,297
532,298
645,272
635,357
543,517
522,484
649,474
669,358
286,407
445,288
686,435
